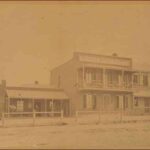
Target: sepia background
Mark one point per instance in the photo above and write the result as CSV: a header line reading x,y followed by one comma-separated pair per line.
x,y
38,36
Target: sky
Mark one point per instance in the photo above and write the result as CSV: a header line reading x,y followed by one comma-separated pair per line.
x,y
38,36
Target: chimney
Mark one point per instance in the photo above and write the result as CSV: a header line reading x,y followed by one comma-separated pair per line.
x,y
36,82
115,54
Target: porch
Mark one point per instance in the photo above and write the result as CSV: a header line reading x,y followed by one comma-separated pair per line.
x,y
37,101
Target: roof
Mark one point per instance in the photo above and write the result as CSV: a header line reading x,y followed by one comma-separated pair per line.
x,y
104,59
141,93
36,94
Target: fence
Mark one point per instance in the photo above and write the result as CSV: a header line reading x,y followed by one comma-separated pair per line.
x,y
136,114
32,118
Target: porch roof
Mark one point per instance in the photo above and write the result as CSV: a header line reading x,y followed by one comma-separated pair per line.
x,y
36,94
142,94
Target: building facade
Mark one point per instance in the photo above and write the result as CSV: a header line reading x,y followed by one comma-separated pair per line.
x,y
99,82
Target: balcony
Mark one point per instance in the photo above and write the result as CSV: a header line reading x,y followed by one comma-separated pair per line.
x,y
100,85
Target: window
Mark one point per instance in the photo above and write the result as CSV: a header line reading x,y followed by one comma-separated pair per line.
x,y
145,80
116,101
20,105
136,101
30,105
93,76
135,79
89,101
126,101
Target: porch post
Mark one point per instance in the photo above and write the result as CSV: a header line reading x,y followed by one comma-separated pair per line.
x,y
83,74
77,78
8,104
45,105
121,79
32,105
104,77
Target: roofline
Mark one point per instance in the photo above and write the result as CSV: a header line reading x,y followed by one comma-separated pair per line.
x,y
83,53
61,64
32,88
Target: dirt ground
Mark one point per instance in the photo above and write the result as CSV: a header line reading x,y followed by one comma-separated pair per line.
x,y
77,136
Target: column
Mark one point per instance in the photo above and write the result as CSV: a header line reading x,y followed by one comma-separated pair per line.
x,y
45,105
32,105
83,74
104,77
121,83
8,103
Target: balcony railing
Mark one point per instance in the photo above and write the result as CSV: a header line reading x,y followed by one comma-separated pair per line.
x,y
108,85
93,83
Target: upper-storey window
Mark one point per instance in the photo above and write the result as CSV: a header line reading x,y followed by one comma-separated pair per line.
x,y
145,80
135,79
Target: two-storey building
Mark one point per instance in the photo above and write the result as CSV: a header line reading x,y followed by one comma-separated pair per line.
x,y
99,82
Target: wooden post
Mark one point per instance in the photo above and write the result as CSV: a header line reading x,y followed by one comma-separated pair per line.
x,y
52,107
3,119
34,115
8,107
76,116
83,76
45,107
121,114
62,115
99,116
32,105
104,78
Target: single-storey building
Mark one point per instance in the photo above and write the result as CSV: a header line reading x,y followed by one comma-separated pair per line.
x,y
29,98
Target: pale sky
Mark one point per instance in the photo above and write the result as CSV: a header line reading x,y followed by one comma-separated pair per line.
x,y
38,36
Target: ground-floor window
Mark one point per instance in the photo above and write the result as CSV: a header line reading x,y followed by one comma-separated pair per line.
x,y
20,105
106,101
89,101
116,101
136,101
126,101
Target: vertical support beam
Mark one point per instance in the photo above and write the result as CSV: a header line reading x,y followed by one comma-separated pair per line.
x,y
83,74
3,119
122,85
45,106
52,107
77,78
8,103
61,104
104,77
34,115
99,116
132,74
33,105
76,117
62,114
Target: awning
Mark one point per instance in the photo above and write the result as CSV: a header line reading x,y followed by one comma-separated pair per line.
x,y
36,94
142,94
